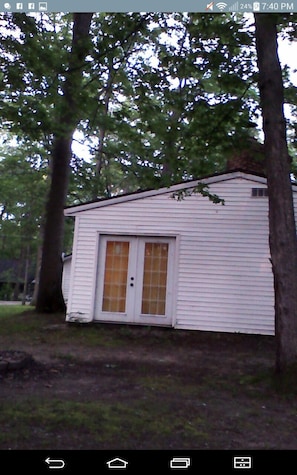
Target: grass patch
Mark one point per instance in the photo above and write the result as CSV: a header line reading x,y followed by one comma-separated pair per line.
x,y
286,383
104,423
20,328
19,320
27,324
152,388
10,310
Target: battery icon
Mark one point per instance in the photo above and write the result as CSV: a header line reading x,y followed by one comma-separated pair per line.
x,y
180,462
256,6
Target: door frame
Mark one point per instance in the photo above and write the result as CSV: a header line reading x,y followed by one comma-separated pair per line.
x,y
98,313
148,319
134,304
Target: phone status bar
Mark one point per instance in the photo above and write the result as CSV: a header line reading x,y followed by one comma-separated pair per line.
x,y
153,5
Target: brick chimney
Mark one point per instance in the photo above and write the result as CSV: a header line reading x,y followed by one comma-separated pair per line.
x,y
249,159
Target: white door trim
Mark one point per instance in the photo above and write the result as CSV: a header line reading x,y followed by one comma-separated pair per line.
x,y
134,283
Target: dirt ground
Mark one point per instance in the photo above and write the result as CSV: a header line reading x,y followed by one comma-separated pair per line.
x,y
129,387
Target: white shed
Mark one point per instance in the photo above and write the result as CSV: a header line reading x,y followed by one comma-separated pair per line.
x,y
67,260
149,258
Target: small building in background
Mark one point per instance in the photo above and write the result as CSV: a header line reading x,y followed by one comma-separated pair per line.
x,y
16,277
174,257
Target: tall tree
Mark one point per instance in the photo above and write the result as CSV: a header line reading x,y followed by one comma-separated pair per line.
x,y
50,298
282,227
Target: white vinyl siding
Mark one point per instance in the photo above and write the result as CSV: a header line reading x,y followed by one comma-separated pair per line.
x,y
66,277
223,277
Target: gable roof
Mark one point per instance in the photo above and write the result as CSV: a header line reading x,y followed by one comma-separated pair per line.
x,y
140,194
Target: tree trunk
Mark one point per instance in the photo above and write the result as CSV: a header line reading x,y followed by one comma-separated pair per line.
x,y
282,228
36,278
27,263
50,297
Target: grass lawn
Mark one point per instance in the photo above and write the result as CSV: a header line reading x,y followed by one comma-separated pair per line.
x,y
132,387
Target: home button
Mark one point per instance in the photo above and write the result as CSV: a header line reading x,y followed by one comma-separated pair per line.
x,y
117,463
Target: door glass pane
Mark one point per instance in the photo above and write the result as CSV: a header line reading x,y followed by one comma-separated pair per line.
x,y
115,276
154,278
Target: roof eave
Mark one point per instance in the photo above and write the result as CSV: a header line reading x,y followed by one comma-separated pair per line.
x,y
220,177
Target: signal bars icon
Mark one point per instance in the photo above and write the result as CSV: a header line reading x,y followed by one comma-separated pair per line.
x,y
234,7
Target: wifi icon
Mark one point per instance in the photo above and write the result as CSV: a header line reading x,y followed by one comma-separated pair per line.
x,y
221,6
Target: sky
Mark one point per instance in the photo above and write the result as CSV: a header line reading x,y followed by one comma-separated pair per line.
x,y
288,56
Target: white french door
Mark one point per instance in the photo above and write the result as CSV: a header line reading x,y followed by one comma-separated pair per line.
x,y
135,279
